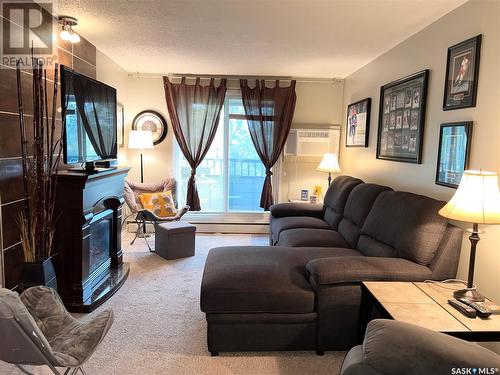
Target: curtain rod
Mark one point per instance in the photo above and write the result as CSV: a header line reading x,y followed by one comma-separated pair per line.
x,y
236,77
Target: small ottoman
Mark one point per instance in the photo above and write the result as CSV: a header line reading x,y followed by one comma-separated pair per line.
x,y
174,239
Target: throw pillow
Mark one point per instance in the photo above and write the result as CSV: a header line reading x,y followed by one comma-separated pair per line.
x,y
161,203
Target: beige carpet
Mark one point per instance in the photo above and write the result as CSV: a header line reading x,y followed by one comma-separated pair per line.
x,y
159,328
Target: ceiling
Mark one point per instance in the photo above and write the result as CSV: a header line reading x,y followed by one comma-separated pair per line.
x,y
301,38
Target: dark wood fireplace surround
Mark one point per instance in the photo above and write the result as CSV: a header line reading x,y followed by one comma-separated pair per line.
x,y
83,203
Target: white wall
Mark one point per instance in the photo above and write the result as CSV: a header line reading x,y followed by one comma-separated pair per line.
x,y
139,94
427,50
112,74
143,94
319,104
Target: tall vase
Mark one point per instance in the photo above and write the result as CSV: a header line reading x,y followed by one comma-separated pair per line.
x,y
39,273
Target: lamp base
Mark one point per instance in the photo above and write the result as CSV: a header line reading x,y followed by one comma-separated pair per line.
x,y
470,294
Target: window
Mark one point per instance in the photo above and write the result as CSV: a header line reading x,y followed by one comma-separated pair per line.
x,y
78,144
231,176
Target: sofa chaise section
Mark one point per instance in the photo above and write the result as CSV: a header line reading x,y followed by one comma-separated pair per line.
x,y
260,298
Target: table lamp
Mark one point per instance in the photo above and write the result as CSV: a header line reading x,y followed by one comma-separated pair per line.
x,y
330,164
476,201
140,140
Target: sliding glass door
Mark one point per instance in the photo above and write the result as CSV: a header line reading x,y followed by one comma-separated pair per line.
x,y
231,176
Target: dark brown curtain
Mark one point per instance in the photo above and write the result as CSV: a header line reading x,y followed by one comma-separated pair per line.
x,y
269,113
194,111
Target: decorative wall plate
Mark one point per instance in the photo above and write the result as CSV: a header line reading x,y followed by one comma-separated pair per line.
x,y
152,121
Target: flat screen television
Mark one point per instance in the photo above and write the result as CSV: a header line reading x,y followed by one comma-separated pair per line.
x,y
89,107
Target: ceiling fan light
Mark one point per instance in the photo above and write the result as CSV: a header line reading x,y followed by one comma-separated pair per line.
x,y
65,35
74,37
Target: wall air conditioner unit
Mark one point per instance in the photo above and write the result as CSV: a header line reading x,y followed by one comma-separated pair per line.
x,y
313,142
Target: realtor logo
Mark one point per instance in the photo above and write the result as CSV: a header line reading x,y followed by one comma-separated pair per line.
x,y
26,30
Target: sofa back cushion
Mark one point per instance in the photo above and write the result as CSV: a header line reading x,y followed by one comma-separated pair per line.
x,y
336,198
358,206
403,225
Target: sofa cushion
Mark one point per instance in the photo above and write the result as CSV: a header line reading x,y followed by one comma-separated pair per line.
x,y
357,208
252,279
312,237
336,198
405,225
279,224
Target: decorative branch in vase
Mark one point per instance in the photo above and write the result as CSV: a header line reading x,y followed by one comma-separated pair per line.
x,y
37,220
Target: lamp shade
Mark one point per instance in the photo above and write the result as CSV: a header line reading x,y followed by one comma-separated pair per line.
x,y
477,199
329,163
140,139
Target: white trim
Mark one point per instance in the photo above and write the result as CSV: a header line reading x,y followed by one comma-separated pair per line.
x,y
232,228
328,80
245,218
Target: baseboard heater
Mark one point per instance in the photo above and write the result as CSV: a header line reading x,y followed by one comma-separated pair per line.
x,y
216,227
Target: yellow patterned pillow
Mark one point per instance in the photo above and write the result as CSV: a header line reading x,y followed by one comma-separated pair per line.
x,y
161,203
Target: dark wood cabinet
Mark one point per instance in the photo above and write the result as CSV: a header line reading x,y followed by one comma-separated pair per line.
x,y
89,264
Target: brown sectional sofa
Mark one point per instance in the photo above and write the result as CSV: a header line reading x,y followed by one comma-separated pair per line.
x,y
303,292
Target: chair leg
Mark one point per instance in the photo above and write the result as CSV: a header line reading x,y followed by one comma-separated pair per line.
x,y
135,237
141,228
82,370
147,243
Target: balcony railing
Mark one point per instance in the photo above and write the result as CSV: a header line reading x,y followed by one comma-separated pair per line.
x,y
237,168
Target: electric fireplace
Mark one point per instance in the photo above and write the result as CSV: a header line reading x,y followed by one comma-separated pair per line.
x,y
89,264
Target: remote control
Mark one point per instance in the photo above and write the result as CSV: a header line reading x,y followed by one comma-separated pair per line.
x,y
463,308
481,311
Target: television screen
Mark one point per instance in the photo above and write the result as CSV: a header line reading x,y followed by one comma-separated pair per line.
x,y
89,107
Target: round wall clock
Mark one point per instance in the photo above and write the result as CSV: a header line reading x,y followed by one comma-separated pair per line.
x,y
152,121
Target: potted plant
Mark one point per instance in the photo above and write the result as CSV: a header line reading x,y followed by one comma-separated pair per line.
x,y
37,221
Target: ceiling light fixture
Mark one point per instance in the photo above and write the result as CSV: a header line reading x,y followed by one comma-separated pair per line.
x,y
67,32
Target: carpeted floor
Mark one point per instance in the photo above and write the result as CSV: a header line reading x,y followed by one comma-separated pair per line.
x,y
159,328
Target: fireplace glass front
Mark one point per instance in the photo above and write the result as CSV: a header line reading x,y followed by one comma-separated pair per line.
x,y
99,244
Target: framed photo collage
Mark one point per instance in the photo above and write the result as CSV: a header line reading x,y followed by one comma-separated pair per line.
x,y
401,117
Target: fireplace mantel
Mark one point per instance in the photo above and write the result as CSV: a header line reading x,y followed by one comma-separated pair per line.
x,y
89,266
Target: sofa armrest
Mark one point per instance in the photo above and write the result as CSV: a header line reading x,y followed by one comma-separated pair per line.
x,y
349,269
297,209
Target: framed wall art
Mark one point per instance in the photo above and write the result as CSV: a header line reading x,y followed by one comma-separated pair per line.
x,y
358,123
462,73
120,124
401,118
453,153
152,121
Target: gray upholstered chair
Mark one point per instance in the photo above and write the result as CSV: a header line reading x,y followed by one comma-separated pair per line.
x,y
392,348
36,329
143,216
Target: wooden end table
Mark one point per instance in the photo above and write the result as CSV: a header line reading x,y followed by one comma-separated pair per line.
x,y
426,305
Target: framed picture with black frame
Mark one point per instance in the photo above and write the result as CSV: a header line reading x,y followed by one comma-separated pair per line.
x,y
358,123
462,73
453,153
402,118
